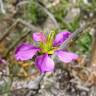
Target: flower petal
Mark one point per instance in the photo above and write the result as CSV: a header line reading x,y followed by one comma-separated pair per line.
x,y
66,56
25,51
39,37
44,63
60,38
2,61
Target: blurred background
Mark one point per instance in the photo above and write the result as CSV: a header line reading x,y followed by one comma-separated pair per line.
x,y
20,18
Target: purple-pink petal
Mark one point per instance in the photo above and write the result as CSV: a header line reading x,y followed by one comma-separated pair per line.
x,y
65,56
39,37
44,63
2,61
25,51
60,38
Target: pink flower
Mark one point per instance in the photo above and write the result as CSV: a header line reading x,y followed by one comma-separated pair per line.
x,y
2,61
60,38
39,37
44,62
25,51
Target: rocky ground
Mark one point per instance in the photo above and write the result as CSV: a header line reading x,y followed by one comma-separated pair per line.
x,y
58,84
